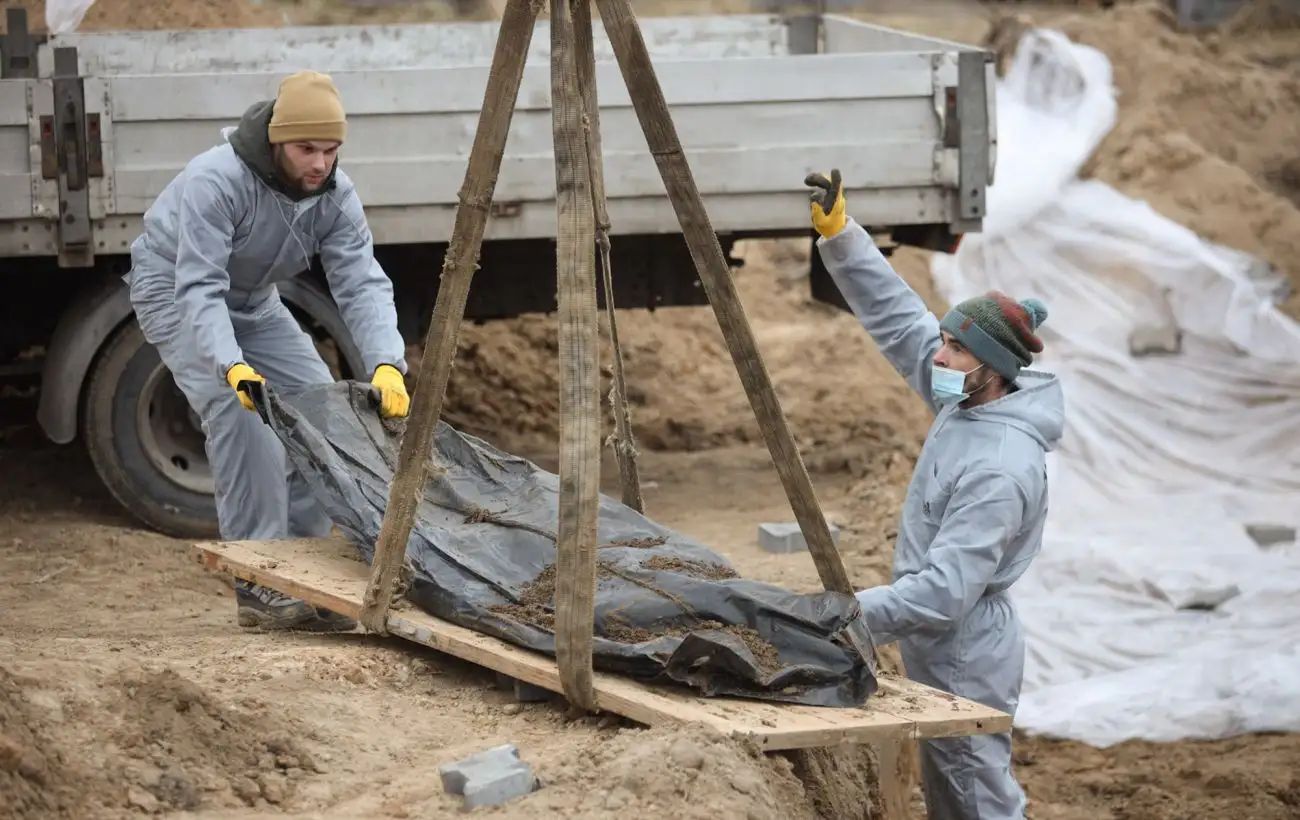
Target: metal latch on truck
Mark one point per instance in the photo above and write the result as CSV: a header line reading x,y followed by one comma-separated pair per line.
x,y
71,149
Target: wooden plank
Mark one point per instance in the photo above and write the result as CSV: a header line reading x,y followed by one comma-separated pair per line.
x,y
424,180
447,90
329,573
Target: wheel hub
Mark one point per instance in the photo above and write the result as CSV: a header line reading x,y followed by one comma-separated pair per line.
x,y
171,434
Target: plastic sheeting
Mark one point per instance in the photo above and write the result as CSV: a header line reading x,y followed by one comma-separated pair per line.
x,y
63,16
480,553
1150,613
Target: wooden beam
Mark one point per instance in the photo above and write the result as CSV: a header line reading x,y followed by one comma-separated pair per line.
x,y
458,268
575,562
622,439
652,110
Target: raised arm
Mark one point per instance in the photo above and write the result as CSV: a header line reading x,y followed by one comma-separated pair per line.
x,y
897,319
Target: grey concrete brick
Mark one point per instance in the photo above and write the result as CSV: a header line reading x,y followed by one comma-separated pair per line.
x,y
490,777
787,537
505,786
1268,535
1152,340
524,692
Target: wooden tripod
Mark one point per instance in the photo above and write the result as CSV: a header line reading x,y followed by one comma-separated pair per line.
x,y
583,228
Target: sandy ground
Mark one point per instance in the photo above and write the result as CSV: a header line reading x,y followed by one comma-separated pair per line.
x,y
126,689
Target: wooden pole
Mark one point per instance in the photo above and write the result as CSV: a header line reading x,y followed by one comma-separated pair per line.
x,y
622,439
458,268
575,562
661,134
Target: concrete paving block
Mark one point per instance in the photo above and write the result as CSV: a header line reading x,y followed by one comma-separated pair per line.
x,y
1268,535
489,777
1152,340
787,537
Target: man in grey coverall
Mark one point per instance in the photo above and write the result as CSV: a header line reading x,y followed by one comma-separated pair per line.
x,y
974,512
238,219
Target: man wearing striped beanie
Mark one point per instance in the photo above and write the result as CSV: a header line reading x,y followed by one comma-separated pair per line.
x,y
973,517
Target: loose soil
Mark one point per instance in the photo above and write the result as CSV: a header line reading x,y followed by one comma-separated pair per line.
x,y
127,690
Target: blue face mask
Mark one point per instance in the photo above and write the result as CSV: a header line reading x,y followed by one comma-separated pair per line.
x,y
948,386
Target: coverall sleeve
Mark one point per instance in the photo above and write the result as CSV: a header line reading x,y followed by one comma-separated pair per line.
x,y
206,229
906,333
983,515
361,289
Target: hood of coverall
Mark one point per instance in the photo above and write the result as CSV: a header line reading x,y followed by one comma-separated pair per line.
x,y
253,146
1037,408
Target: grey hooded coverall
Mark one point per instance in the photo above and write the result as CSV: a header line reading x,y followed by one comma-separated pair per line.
x,y
203,275
972,521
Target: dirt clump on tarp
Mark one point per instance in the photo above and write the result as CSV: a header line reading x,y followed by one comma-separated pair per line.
x,y
482,552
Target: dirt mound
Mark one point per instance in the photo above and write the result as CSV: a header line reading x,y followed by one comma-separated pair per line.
x,y
1208,124
34,778
686,773
154,742
840,396
183,749
135,15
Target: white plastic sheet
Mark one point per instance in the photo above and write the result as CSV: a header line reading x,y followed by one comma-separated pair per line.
x,y
1150,612
63,16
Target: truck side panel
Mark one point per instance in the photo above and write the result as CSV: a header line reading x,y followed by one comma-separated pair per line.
x,y
752,127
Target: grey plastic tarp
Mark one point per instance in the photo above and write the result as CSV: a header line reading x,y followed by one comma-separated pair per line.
x,y
484,532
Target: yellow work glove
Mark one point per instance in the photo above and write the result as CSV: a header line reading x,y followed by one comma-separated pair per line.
x,y
240,372
828,215
393,400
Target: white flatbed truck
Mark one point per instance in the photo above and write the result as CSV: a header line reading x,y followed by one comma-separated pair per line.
x,y
93,126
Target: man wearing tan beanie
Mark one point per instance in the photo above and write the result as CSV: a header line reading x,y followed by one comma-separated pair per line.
x,y
239,218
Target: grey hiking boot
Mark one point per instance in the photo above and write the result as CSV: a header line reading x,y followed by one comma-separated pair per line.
x,y
266,609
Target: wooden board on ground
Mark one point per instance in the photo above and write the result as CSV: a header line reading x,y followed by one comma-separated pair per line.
x,y
328,572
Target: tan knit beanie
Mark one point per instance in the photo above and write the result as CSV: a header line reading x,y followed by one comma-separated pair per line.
x,y
307,108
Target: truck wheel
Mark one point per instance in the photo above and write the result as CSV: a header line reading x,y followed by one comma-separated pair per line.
x,y
145,442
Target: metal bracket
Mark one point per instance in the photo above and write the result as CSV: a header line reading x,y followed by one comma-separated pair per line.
x,y
18,47
74,157
803,33
967,129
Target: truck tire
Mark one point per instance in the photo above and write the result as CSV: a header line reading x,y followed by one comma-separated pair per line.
x,y
145,441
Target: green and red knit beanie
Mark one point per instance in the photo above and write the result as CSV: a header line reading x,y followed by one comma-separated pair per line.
x,y
998,330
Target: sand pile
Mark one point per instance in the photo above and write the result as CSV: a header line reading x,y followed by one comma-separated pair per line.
x,y
150,742
1209,124
34,780
844,402
695,775
135,15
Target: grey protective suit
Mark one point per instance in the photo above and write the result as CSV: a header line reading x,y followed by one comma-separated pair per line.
x,y
972,521
203,274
